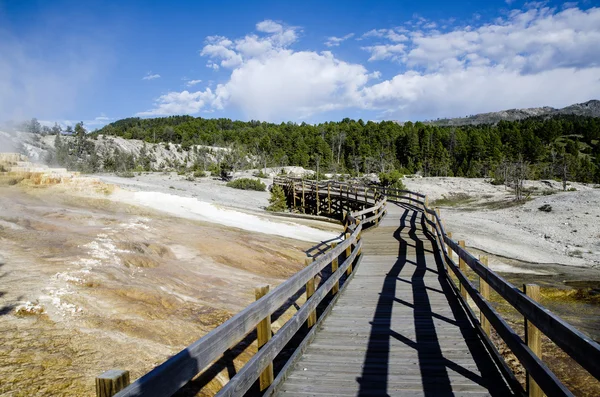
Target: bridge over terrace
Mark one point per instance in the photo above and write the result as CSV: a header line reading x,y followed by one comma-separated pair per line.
x,y
390,310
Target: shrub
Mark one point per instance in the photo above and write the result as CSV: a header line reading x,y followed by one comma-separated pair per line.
x,y
546,208
260,174
571,189
247,184
226,172
199,174
391,179
316,176
126,174
277,201
214,168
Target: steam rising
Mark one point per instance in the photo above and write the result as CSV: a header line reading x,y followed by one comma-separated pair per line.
x,y
8,142
43,81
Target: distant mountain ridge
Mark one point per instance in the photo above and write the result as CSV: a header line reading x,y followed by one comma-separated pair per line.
x,y
590,109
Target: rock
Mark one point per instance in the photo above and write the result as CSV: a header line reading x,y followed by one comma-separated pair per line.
x,y
545,208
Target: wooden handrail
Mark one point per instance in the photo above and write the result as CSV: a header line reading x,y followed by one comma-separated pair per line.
x,y
574,342
244,379
577,345
167,378
170,376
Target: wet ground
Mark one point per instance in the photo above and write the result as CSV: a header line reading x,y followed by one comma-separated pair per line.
x,y
87,284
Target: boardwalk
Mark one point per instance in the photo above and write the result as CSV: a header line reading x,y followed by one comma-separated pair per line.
x,y
398,329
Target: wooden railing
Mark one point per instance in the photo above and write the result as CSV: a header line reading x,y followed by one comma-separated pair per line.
x,y
170,376
538,319
361,206
330,198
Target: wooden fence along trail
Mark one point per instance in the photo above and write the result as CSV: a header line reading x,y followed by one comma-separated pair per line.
x,y
386,318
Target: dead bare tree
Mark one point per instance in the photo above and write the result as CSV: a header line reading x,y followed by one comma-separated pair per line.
x,y
517,173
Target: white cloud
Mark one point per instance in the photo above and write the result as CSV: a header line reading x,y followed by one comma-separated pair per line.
x,y
395,35
232,54
529,41
385,51
269,26
150,76
293,85
191,83
334,41
269,80
531,57
220,47
480,89
180,103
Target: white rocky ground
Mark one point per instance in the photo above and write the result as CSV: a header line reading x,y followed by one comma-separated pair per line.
x,y
208,199
568,235
482,214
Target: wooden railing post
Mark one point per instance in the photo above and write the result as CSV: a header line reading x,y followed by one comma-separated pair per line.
x,y
348,253
347,198
450,252
533,338
462,265
318,197
484,290
310,290
441,226
303,202
358,237
425,207
329,197
111,382
263,335
334,267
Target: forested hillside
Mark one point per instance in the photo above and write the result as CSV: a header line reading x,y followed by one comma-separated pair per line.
x,y
563,146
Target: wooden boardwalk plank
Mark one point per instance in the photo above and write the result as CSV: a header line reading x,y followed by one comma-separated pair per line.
x,y
398,328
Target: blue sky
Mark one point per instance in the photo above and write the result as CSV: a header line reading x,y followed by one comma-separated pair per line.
x,y
293,61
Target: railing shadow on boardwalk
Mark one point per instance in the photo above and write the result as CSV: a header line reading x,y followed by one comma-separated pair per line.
x,y
433,365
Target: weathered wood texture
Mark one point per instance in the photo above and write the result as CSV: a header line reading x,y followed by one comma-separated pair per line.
x,y
484,289
397,329
263,335
111,382
533,338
